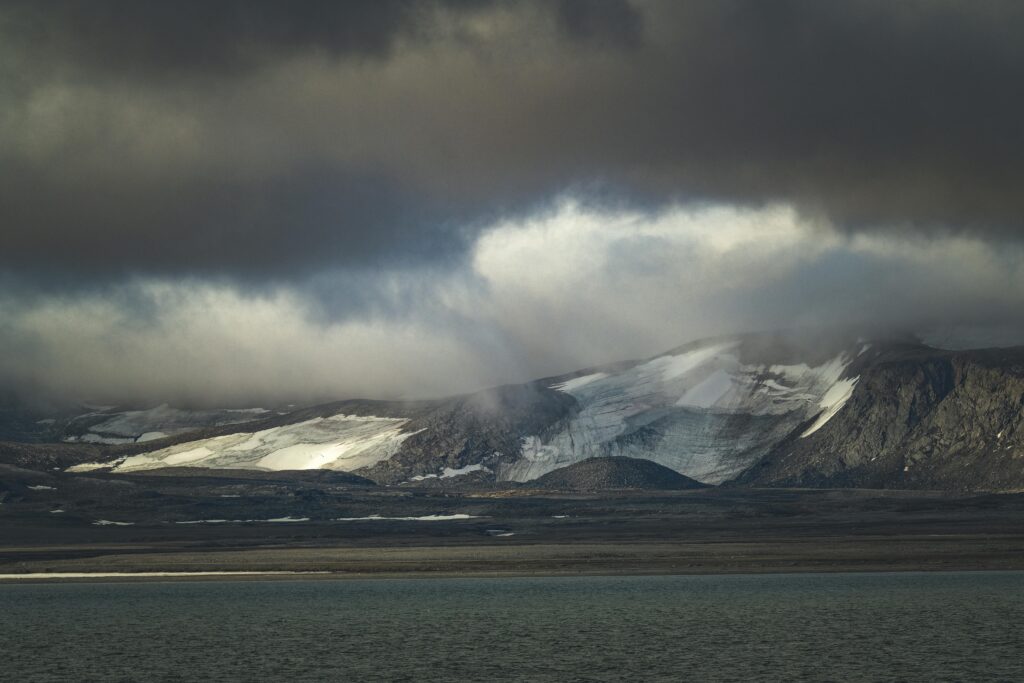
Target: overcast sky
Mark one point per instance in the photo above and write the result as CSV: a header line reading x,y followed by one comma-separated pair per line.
x,y
251,200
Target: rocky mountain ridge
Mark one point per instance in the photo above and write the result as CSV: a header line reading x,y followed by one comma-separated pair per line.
x,y
920,418
780,409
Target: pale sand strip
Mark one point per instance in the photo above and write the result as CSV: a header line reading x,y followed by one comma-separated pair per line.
x,y
131,575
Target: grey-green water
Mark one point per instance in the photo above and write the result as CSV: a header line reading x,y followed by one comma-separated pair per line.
x,y
839,627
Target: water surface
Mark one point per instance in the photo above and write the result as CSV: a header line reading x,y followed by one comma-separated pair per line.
x,y
841,627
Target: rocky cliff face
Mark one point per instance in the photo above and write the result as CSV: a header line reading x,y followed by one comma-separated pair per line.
x,y
918,418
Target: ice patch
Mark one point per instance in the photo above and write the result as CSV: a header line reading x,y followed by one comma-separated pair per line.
x,y
424,518
107,522
40,487
303,456
772,385
450,472
244,521
187,456
151,436
90,466
676,366
339,442
135,462
578,382
832,402
707,393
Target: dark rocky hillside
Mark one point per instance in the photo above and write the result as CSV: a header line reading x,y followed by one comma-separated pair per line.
x,y
918,418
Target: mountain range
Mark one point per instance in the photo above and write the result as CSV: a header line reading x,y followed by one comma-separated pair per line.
x,y
794,409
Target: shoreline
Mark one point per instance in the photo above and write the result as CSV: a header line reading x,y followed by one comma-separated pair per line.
x,y
44,578
637,533
608,558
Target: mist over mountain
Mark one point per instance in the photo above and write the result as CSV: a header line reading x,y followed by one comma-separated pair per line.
x,y
809,407
257,204
255,207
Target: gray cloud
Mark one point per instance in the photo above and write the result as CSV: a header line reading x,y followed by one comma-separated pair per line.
x,y
573,287
614,22
234,137
193,37
219,200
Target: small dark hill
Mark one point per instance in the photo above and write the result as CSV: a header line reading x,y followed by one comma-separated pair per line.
x,y
599,474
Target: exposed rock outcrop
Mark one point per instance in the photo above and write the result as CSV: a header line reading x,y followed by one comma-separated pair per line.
x,y
918,418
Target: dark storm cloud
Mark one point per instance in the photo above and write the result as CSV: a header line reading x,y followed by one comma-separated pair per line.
x,y
313,216
600,21
231,137
128,36
195,37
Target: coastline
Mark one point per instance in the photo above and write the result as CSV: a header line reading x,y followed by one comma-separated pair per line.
x,y
211,577
703,532
778,556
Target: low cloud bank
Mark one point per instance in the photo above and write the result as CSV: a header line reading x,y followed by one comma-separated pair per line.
x,y
572,286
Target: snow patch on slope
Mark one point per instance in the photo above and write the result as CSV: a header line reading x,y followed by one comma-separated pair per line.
x,y
91,466
683,363
578,382
832,402
708,392
275,520
451,472
424,518
339,442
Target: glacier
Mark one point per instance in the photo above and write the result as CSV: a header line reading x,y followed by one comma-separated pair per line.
x,y
702,412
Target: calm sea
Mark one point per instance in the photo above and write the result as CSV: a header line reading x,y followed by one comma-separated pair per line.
x,y
838,627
